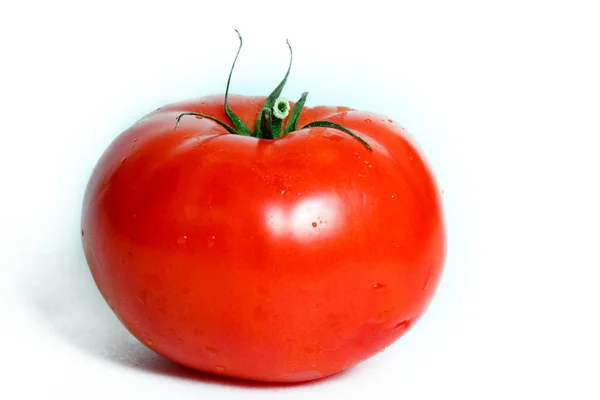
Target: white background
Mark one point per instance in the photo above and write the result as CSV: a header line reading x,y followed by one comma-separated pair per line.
x,y
504,97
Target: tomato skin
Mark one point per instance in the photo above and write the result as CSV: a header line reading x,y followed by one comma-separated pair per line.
x,y
275,260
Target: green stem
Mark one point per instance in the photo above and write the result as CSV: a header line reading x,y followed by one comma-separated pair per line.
x,y
270,101
269,123
237,122
333,125
293,120
276,127
223,124
266,131
280,110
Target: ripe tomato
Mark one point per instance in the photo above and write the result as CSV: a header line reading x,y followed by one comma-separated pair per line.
x,y
284,259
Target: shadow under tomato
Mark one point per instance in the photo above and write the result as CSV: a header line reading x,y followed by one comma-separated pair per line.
x,y
66,297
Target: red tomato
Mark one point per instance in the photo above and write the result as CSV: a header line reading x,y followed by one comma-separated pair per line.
x,y
275,260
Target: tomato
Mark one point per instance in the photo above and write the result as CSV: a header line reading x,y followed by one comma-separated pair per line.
x,y
285,259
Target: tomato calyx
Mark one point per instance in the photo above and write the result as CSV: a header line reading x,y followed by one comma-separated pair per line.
x,y
269,123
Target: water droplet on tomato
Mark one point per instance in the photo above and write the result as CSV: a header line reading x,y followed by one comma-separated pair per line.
x,y
401,325
182,239
389,120
379,286
148,339
427,280
220,368
211,350
368,121
135,140
283,192
211,241
123,160
142,298
335,136
314,224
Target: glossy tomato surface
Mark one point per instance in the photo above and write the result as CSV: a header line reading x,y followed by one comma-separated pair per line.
x,y
275,260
